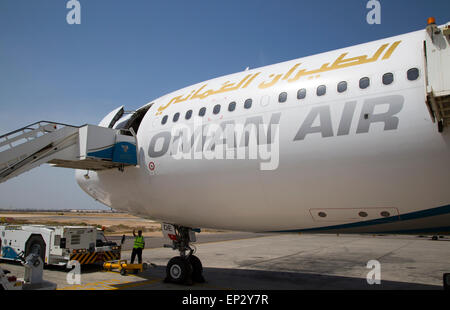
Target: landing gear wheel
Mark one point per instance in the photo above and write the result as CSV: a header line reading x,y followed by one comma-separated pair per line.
x,y
441,126
197,273
447,281
179,271
186,268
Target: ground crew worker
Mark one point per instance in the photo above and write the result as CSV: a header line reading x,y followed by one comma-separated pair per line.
x,y
139,245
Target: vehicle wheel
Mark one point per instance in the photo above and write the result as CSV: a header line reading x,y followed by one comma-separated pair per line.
x,y
197,273
434,238
447,281
123,272
440,126
35,245
179,270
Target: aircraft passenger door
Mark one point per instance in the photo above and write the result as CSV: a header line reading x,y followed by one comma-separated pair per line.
x,y
437,62
110,119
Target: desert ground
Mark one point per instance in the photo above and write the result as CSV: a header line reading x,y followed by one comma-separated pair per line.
x,y
114,223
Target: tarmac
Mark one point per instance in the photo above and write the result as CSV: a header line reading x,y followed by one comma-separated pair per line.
x,y
247,261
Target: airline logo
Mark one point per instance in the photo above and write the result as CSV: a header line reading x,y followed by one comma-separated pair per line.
x,y
258,136
367,117
294,74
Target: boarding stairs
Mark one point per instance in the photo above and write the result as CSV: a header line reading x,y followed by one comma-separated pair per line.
x,y
85,147
437,70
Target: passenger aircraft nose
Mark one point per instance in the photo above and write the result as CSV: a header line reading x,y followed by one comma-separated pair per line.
x,y
85,180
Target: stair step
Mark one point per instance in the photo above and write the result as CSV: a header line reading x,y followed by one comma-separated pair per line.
x,y
87,147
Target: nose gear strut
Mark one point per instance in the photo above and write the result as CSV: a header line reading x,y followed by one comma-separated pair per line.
x,y
186,268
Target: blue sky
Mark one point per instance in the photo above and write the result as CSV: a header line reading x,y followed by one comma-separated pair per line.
x,y
131,52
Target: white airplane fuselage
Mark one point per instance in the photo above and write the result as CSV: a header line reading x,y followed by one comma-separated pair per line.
x,y
361,160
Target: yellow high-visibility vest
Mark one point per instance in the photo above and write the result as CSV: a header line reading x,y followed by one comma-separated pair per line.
x,y
139,242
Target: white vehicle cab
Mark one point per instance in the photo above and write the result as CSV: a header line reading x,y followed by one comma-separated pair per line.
x,y
56,245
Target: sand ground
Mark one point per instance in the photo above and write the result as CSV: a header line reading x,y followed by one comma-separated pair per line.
x,y
115,223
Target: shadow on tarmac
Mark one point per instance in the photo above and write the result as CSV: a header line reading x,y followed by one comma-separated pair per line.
x,y
243,279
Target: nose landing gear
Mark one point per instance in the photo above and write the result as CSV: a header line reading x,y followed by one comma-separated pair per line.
x,y
186,268
447,281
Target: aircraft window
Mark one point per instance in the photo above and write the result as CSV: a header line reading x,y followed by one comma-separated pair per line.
x,y
342,87
385,214
202,111
176,117
301,94
188,114
282,97
388,78
216,109
364,83
232,106
413,74
363,214
322,214
321,90
248,103
164,119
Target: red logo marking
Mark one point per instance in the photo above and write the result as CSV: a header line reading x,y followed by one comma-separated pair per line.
x,y
151,166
